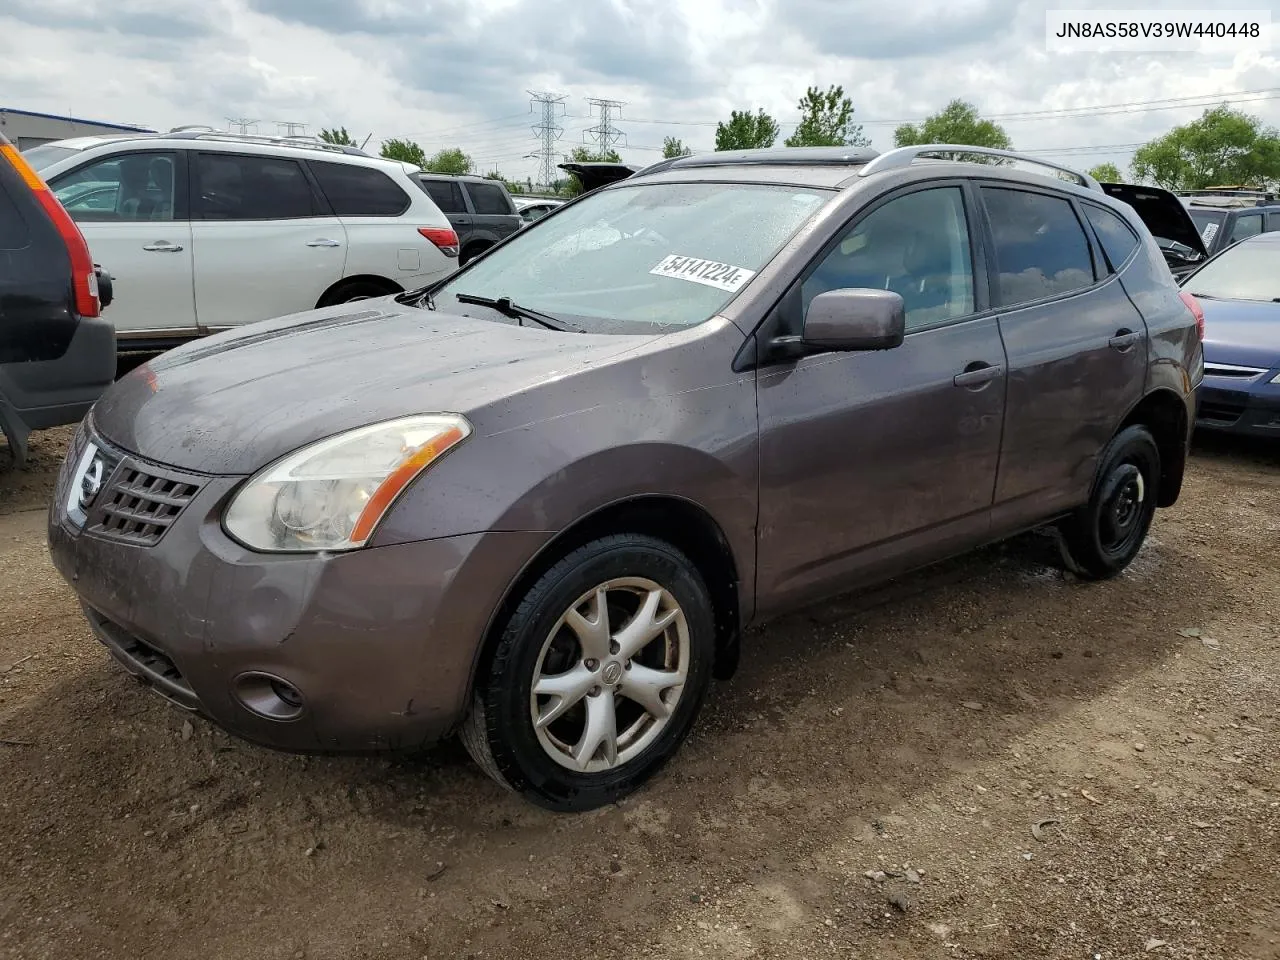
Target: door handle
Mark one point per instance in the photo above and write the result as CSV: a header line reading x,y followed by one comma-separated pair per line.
x,y
1124,339
323,242
163,246
978,373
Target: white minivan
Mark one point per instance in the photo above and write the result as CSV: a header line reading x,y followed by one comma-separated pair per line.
x,y
203,231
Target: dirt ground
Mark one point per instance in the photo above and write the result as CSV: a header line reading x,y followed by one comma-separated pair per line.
x,y
867,786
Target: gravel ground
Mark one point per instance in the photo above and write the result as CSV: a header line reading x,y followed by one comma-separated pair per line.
x,y
984,760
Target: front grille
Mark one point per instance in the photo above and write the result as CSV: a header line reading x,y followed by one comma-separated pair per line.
x,y
144,661
140,503
1220,411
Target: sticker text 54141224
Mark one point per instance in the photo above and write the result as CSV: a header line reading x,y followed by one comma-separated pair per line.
x,y
723,276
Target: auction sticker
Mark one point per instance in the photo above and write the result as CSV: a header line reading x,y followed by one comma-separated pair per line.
x,y
723,276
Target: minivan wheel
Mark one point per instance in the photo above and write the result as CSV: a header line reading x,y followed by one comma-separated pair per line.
x,y
1104,536
597,676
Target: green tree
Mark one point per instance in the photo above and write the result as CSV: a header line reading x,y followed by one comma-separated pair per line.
x,y
406,151
451,161
1223,147
339,136
1107,173
571,186
746,131
826,120
674,147
957,122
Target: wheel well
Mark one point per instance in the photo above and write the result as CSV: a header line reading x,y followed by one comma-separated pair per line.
x,y
1164,413
684,525
329,297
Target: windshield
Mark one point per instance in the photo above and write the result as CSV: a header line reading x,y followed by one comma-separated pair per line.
x,y
1247,271
643,258
1208,223
46,155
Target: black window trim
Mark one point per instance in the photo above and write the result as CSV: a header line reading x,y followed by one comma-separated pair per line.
x,y
181,190
320,203
319,189
1095,253
1116,268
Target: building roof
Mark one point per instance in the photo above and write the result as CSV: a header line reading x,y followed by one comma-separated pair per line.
x,y
94,123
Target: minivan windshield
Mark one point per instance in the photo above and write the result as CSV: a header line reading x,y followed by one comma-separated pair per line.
x,y
1247,271
639,258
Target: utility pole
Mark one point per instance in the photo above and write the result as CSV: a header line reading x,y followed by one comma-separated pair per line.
x,y
604,134
548,133
242,124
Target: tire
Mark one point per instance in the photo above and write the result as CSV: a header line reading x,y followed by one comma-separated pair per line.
x,y
470,253
350,292
563,765
1104,536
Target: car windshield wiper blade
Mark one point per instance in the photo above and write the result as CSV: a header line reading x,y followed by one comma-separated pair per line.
x,y
505,306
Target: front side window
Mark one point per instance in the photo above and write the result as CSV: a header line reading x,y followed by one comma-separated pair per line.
x,y
1247,226
917,246
231,186
641,258
488,199
1250,271
1041,248
131,187
446,194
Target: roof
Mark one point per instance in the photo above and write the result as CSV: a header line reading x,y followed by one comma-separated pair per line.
x,y
93,123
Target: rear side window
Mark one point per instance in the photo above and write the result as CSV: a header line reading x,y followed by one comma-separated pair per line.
x,y
1041,248
447,195
1247,226
14,234
229,186
1118,241
359,191
130,187
488,198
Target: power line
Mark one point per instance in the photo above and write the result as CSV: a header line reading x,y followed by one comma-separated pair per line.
x,y
548,132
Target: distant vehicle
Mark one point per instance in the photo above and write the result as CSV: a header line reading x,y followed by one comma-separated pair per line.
x,y
480,210
535,208
57,352
209,230
1239,290
1227,215
596,174
1168,220
536,503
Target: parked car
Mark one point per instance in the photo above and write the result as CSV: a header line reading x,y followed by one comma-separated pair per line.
x,y
550,490
1224,216
57,351
208,231
535,208
479,209
1240,291
596,174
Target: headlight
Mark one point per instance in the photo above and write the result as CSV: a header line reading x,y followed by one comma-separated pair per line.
x,y
330,495
1276,378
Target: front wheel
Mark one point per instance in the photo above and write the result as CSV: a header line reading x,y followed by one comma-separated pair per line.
x,y
1104,536
597,676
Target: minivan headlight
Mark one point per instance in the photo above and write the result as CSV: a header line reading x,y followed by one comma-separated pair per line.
x,y
331,494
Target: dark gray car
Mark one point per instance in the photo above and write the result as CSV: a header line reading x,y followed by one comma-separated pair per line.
x,y
537,503
479,209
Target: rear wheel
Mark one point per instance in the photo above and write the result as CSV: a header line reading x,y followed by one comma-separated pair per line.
x,y
472,251
597,676
356,290
1104,536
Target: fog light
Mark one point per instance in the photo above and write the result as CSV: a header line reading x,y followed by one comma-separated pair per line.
x,y
268,696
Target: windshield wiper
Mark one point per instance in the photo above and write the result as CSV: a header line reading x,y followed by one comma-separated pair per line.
x,y
504,306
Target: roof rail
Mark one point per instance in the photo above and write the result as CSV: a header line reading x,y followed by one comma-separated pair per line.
x,y
905,156
304,143
773,156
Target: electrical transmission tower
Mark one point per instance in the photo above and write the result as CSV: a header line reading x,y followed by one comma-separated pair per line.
x,y
604,134
548,133
243,125
291,128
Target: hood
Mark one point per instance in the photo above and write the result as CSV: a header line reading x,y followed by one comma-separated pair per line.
x,y
1242,332
231,403
598,174
1163,213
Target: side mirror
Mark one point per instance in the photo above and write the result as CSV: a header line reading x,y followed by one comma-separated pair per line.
x,y
854,319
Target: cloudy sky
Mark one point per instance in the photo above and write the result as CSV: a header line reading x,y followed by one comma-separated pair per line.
x,y
458,72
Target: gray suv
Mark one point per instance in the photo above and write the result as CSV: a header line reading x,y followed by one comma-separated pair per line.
x,y
480,210
536,503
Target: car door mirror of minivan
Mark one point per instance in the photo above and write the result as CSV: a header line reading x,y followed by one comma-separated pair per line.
x,y
848,320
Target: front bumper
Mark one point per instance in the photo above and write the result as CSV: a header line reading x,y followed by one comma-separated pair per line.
x,y
1254,412
379,643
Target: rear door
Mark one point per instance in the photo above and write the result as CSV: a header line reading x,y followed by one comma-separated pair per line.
x,y
447,195
266,243
1077,350
132,209
492,209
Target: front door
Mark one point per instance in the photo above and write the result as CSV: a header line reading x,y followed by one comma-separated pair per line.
x,y
131,208
879,461
266,244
